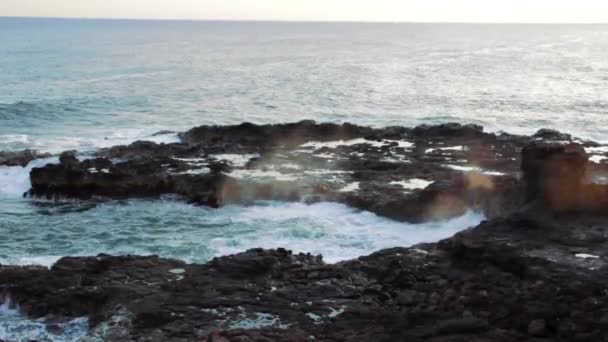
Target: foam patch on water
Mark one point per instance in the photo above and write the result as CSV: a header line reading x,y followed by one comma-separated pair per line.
x,y
174,229
86,142
412,184
15,180
199,171
597,149
597,159
167,138
586,256
350,187
475,169
257,320
16,327
374,143
396,159
14,139
46,261
258,174
449,148
333,230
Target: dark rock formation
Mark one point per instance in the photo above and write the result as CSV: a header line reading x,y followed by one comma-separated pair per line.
x,y
266,136
459,289
309,161
535,271
21,158
556,178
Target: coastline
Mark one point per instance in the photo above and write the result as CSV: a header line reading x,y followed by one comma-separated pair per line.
x,y
534,269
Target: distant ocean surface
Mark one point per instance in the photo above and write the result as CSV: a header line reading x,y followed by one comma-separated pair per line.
x,y
83,84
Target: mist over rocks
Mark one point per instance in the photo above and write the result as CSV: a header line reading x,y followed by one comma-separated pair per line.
x,y
364,167
535,270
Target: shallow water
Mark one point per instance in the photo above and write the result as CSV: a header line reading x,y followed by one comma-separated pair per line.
x,y
40,233
15,327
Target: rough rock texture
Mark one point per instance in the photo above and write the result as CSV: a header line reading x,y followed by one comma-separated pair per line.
x,y
535,271
20,158
371,169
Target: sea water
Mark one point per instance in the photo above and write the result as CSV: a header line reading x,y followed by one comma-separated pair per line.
x,y
86,84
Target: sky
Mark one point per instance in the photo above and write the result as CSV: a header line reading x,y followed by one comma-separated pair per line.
x,y
520,11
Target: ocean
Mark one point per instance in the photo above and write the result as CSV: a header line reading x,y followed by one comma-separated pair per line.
x,y
82,84
86,84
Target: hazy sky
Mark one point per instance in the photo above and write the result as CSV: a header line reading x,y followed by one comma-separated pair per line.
x,y
349,10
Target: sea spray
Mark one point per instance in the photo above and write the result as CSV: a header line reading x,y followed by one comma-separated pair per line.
x,y
15,180
174,229
16,327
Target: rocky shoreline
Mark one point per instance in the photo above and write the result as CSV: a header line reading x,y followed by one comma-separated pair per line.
x,y
534,271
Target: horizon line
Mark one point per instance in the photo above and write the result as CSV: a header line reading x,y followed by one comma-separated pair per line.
x,y
303,20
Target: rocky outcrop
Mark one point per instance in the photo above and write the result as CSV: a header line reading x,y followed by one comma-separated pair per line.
x,y
535,271
20,158
405,174
470,287
556,178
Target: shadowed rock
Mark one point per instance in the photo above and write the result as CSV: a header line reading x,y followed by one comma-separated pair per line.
x,y
528,273
21,158
308,161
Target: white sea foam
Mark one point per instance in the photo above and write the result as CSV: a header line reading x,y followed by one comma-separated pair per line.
x,y
46,261
586,256
350,187
325,155
326,172
199,171
17,139
15,180
475,169
597,159
334,230
598,149
257,320
263,174
167,138
412,184
84,142
15,327
449,148
374,143
396,159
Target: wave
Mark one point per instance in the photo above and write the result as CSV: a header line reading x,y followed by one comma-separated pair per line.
x,y
336,231
178,230
15,180
24,112
16,327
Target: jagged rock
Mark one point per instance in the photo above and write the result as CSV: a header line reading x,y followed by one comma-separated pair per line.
x,y
556,177
21,158
377,162
538,328
552,135
536,268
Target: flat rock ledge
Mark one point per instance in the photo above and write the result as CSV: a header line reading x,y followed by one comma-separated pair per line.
x,y
534,271
407,174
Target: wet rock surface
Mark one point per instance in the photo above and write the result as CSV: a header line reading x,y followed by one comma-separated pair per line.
x,y
20,158
534,271
405,174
